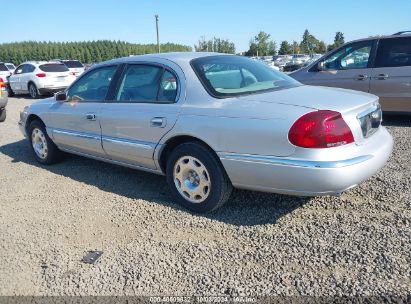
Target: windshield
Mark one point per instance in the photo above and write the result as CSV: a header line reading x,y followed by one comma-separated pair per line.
x,y
73,64
53,67
226,75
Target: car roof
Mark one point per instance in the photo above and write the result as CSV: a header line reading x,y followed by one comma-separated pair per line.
x,y
172,56
396,35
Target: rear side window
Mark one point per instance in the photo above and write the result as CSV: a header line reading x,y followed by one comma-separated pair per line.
x,y
394,52
53,67
3,67
93,86
73,64
147,83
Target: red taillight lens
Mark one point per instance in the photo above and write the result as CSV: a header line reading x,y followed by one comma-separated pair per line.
x,y
320,129
41,75
2,84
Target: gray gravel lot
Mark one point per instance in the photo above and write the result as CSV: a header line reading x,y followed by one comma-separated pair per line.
x,y
257,244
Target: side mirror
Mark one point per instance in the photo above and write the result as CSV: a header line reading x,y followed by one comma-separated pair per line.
x,y
321,66
60,96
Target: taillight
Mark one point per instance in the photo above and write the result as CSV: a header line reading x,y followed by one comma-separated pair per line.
x,y
320,129
2,83
41,75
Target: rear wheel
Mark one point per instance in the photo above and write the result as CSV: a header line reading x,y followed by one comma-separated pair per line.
x,y
3,115
45,151
196,178
33,91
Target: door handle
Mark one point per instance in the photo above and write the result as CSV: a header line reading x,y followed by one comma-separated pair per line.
x,y
362,77
91,116
158,122
381,76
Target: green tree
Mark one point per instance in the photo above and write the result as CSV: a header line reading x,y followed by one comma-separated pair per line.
x,y
261,45
339,40
321,48
285,48
215,45
309,43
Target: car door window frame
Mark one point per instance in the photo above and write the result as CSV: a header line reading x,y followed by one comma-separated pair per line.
x,y
110,87
356,45
113,95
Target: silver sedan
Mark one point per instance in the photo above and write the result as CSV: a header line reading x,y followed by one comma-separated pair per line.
x,y
211,122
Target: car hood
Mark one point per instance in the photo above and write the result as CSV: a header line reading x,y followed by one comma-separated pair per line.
x,y
318,98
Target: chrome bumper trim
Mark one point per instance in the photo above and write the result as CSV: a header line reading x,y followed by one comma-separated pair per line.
x,y
271,160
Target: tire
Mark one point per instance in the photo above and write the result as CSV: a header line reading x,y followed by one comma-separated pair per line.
x,y
3,115
34,93
10,91
196,178
44,150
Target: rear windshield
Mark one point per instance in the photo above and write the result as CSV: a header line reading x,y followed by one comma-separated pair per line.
x,y
73,64
53,67
226,75
10,66
3,67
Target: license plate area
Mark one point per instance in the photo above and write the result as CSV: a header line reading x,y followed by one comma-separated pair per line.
x,y
370,121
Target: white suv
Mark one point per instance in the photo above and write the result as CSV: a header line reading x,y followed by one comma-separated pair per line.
x,y
75,67
39,78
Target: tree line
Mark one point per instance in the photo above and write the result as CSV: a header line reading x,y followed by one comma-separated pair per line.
x,y
86,52
263,45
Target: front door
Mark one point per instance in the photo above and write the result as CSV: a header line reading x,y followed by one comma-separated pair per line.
x,y
391,77
75,123
142,111
348,68
14,79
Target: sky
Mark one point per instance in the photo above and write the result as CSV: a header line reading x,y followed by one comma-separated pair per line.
x,y
185,22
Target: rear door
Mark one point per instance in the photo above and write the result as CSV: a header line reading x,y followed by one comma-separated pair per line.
x,y
349,67
143,109
75,124
391,77
26,76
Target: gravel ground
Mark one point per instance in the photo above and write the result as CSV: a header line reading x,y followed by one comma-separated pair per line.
x,y
257,244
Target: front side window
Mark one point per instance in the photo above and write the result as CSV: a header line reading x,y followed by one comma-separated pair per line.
x,y
19,69
93,86
147,83
394,52
226,76
350,57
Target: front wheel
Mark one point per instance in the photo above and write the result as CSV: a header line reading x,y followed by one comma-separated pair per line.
x,y
45,151
196,178
33,91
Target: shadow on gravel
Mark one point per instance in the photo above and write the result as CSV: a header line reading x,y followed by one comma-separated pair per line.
x,y
396,120
245,208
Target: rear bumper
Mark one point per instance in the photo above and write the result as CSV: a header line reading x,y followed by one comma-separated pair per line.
x,y
304,177
51,90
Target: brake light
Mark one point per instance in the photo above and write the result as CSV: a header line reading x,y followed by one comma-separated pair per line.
x,y
320,129
2,83
41,75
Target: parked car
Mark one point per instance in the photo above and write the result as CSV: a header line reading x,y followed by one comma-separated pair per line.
x,y
3,99
39,78
4,71
75,67
378,65
210,122
10,66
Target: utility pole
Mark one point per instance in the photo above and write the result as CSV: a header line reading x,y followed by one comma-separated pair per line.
x,y
158,38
